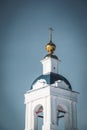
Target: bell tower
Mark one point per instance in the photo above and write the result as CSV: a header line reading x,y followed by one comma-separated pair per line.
x,y
51,97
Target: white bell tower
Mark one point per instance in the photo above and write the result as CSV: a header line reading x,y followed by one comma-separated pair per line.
x,y
51,97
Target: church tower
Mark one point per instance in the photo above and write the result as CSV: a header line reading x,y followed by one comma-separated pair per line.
x,y
51,97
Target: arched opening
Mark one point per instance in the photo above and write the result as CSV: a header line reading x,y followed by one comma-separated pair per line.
x,y
60,117
38,117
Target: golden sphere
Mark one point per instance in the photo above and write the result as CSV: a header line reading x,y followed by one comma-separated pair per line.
x,y
50,47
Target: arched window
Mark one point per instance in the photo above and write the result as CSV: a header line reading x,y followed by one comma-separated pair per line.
x,y
38,117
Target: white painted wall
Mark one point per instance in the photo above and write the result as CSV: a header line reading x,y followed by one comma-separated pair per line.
x,y
50,65
51,99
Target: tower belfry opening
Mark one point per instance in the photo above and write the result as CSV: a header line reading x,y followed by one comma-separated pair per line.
x,y
51,99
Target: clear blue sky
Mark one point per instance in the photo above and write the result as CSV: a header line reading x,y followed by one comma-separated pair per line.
x,y
23,35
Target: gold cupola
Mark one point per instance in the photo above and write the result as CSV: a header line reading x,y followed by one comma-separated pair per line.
x,y
50,47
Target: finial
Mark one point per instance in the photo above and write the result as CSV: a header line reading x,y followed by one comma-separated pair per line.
x,y
51,30
50,47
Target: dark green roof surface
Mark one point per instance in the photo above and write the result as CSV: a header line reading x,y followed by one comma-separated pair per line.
x,y
51,78
52,56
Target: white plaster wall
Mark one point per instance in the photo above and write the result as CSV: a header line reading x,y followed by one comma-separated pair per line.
x,y
50,98
50,65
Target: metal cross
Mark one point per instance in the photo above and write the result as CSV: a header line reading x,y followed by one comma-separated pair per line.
x,y
51,30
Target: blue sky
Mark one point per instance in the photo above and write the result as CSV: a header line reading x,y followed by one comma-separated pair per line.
x,y
23,35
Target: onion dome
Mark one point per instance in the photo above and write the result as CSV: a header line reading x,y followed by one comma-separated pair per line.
x,y
50,47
